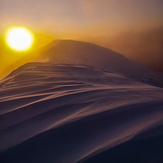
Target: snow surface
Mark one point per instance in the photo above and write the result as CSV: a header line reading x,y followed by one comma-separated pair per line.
x,y
68,113
76,106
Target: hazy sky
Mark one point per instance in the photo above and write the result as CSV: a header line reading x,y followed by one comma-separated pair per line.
x,y
115,24
70,15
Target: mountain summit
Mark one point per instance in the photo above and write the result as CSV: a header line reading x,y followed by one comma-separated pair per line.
x,y
77,52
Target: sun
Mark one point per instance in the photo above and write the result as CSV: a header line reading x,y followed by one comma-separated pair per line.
x,y
19,39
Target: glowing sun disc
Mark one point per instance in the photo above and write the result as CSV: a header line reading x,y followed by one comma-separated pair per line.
x,y
19,39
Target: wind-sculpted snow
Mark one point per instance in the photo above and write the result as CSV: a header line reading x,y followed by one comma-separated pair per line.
x,y
71,113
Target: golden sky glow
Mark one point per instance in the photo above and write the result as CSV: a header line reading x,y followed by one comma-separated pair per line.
x,y
131,27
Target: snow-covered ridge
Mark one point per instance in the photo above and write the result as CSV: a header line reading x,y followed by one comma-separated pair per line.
x,y
77,52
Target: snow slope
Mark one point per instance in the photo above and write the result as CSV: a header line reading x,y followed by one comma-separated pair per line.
x,y
67,113
77,52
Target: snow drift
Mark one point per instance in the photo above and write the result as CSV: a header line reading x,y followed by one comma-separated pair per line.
x,y
77,112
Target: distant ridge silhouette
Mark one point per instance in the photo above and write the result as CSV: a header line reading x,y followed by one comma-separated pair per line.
x,y
77,52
